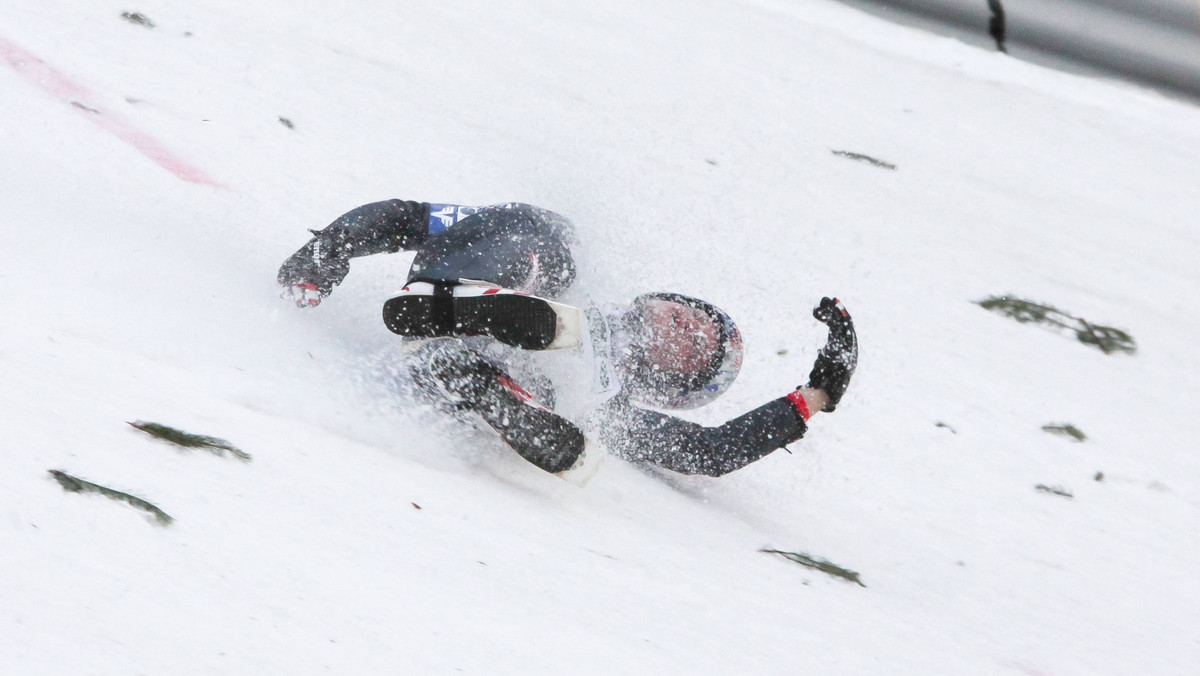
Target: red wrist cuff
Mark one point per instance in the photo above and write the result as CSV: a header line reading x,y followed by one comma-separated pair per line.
x,y
798,402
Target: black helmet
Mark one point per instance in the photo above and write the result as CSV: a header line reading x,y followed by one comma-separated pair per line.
x,y
680,352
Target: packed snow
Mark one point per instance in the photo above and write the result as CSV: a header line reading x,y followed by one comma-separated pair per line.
x,y
154,178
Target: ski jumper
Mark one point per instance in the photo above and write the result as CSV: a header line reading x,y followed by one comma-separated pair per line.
x,y
526,248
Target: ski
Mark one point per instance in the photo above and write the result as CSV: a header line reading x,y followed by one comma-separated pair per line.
x,y
463,380
540,435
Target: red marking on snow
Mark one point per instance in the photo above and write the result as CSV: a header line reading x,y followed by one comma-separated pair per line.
x,y
37,73
797,400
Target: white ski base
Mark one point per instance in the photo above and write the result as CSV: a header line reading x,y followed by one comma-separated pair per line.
x,y
569,332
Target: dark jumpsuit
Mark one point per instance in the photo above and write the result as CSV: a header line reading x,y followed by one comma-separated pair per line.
x,y
524,247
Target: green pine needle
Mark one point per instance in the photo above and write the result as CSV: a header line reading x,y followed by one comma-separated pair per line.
x,y
1054,490
818,564
1066,430
188,440
864,158
73,484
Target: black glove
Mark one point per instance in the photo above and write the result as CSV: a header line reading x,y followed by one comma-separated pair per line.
x,y
316,268
837,360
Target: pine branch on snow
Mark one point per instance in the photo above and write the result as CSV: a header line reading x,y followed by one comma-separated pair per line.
x,y
137,18
1065,430
818,564
73,484
188,440
1106,338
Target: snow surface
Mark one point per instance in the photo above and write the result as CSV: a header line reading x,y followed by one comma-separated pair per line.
x,y
141,229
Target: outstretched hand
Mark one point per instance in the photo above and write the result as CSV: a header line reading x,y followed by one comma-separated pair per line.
x,y
310,274
831,312
303,294
837,360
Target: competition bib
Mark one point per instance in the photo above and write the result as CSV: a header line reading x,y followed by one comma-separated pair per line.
x,y
442,216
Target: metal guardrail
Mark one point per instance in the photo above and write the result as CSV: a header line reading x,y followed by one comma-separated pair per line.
x,y
1154,42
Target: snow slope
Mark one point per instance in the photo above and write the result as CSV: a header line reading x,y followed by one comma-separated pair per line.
x,y
150,191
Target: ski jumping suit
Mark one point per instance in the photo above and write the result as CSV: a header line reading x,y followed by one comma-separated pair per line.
x,y
526,248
